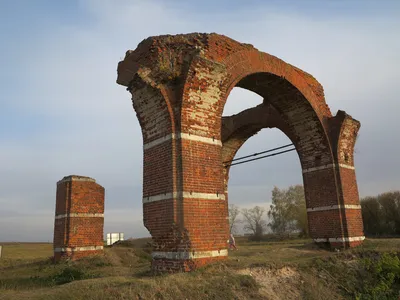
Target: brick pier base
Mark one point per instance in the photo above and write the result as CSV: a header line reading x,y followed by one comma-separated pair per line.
x,y
79,218
172,262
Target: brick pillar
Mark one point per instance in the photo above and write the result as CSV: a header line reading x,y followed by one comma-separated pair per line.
x,y
79,218
184,206
333,206
189,224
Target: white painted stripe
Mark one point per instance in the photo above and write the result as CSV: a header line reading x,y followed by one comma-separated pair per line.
x,y
341,239
346,166
189,195
332,207
158,141
184,136
318,168
328,167
199,138
207,196
348,239
189,255
79,215
320,240
78,249
159,197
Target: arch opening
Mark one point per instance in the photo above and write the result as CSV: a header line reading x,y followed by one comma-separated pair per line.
x,y
240,99
286,108
245,132
250,184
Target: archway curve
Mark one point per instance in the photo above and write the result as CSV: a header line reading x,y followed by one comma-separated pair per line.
x,y
194,74
295,94
237,129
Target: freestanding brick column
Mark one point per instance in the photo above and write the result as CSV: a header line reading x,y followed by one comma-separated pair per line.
x,y
179,86
79,218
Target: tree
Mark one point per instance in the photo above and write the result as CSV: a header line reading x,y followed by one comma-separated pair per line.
x,y
233,214
288,211
372,216
390,205
381,214
254,222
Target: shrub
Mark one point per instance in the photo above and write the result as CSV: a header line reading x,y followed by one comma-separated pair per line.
x,y
382,278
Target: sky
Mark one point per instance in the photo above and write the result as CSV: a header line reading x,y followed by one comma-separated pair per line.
x,y
62,113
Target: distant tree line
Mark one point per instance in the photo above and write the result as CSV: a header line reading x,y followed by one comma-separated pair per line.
x,y
287,215
381,214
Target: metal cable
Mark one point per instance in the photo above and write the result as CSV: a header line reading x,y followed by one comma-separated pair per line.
x,y
265,156
258,153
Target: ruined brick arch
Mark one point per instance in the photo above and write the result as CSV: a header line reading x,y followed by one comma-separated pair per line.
x,y
238,128
179,86
292,92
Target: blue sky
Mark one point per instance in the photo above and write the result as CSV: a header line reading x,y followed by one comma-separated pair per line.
x,y
62,112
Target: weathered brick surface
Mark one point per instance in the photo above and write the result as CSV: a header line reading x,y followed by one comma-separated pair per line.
x,y
201,166
160,218
320,188
151,109
79,217
158,169
353,222
206,222
179,87
349,186
173,266
325,224
81,197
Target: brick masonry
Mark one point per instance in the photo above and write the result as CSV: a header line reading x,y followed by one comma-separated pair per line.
x,y
79,218
179,86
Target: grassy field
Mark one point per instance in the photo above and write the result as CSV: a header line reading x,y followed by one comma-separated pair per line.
x,y
294,269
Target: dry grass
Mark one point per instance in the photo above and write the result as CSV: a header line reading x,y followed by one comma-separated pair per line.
x,y
26,251
265,270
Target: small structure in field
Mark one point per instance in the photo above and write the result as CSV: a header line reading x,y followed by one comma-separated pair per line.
x,y
114,237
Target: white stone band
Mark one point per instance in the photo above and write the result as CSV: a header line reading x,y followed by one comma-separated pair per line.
x,y
198,138
79,215
184,136
332,207
158,141
78,249
341,239
189,255
190,195
329,166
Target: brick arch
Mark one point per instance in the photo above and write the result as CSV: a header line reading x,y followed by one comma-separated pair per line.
x,y
184,81
247,62
290,89
295,96
238,128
